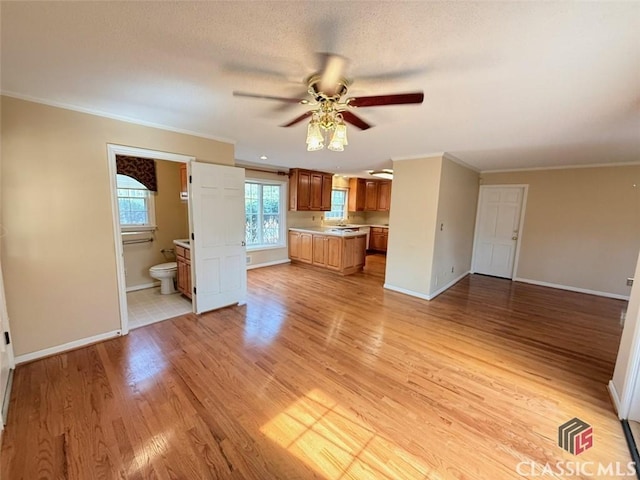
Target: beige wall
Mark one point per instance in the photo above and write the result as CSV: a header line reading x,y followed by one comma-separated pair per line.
x,y
172,220
414,201
58,253
581,228
457,203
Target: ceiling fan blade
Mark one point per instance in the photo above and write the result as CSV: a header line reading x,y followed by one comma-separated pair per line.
x,y
271,97
377,100
298,119
332,72
353,119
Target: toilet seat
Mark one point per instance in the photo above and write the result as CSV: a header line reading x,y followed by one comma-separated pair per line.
x,y
163,267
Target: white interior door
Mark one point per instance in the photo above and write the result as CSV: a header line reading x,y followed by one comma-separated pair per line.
x,y
497,230
218,261
6,354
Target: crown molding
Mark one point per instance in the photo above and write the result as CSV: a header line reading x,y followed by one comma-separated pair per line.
x,y
418,157
562,167
112,116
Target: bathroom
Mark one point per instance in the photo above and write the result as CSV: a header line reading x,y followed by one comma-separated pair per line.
x,y
148,234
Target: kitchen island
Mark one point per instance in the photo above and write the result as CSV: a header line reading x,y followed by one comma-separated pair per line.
x,y
339,250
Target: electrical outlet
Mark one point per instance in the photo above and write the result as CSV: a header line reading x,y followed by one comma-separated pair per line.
x,y
451,269
441,226
629,282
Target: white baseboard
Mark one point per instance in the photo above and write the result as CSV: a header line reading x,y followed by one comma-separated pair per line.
x,y
615,398
268,264
144,286
572,289
448,285
83,342
406,292
422,295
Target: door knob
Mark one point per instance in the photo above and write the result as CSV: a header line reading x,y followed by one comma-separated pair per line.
x,y
515,237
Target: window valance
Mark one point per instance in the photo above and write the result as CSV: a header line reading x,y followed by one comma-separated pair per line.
x,y
142,169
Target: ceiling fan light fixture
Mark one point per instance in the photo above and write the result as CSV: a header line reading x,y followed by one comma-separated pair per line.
x,y
315,139
339,138
386,173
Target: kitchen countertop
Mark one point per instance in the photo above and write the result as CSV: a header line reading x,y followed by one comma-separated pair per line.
x,y
335,232
357,225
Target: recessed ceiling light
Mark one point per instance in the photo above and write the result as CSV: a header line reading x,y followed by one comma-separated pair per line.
x,y
263,157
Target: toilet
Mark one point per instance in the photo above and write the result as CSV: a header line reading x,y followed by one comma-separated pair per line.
x,y
166,273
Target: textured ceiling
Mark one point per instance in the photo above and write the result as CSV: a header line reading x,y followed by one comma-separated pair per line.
x,y
506,85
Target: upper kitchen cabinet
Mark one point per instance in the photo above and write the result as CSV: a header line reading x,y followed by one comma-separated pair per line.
x,y
369,195
309,190
356,194
384,196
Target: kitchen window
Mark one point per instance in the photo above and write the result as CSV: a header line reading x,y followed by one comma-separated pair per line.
x,y
264,214
338,205
135,205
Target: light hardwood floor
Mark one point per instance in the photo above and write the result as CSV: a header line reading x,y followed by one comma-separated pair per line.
x,y
328,377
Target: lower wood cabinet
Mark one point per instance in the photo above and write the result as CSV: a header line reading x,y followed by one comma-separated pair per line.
x,y
183,260
301,247
378,238
327,251
342,254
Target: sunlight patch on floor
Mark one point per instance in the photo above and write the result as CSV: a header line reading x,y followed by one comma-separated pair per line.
x,y
337,445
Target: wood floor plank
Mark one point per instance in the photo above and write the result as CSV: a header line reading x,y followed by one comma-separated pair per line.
x,y
328,377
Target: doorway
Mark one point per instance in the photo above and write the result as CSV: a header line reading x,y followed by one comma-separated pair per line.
x,y
216,245
142,306
499,223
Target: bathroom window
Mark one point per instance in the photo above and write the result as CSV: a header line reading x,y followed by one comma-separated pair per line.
x,y
135,205
264,214
338,205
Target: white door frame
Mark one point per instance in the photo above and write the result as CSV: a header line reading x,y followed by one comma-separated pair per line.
x,y
523,209
4,322
112,151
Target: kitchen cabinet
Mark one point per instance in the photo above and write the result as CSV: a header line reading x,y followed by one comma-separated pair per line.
x,y
384,196
356,194
184,193
183,261
327,251
345,255
301,246
378,239
354,253
369,195
309,190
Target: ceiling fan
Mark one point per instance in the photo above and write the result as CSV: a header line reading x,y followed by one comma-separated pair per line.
x,y
330,110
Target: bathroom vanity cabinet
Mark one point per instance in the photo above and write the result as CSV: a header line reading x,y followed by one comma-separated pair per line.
x,y
183,259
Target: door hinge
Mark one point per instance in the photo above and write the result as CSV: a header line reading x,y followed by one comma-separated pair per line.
x,y
194,291
190,181
193,237
7,338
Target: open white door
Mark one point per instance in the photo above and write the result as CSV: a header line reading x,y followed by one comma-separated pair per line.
x,y
218,262
498,226
6,355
